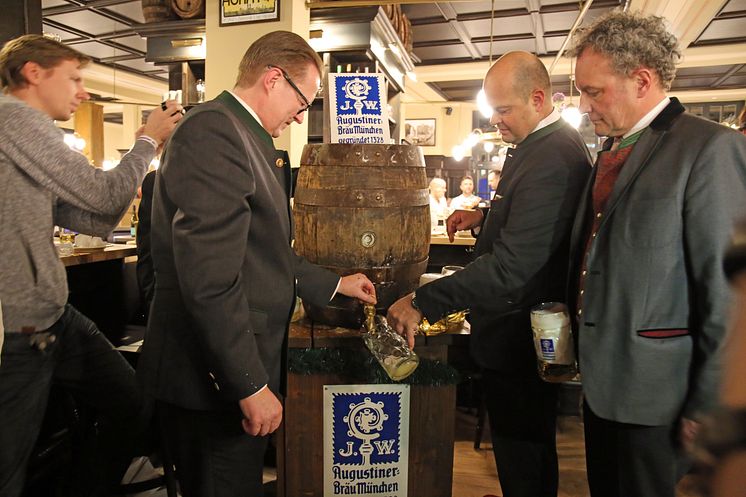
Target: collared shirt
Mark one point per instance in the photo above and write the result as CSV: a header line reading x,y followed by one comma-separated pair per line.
x,y
648,118
553,117
246,106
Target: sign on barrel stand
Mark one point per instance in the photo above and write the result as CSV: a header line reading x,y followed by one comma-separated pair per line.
x,y
366,440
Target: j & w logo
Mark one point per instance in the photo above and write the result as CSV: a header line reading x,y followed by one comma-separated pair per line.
x,y
366,428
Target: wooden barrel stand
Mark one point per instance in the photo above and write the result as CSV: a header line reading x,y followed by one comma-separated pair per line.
x,y
300,442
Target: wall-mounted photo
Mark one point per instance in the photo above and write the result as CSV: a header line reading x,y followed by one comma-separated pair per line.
x,y
242,12
420,132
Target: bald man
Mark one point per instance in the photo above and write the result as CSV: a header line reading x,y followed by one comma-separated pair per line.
x,y
521,260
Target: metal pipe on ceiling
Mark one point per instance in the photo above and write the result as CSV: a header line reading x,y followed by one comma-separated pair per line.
x,y
561,51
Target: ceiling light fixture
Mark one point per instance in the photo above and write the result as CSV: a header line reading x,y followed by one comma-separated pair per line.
x,y
571,114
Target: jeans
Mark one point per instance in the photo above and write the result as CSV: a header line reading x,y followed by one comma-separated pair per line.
x,y
83,362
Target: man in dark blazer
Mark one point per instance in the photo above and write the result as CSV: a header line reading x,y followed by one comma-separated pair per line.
x,y
520,261
226,275
647,246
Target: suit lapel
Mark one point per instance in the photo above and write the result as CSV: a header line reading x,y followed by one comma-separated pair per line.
x,y
276,160
642,153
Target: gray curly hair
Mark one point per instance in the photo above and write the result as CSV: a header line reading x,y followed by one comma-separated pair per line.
x,y
631,40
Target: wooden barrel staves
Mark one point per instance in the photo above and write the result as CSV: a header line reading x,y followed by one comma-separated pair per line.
x,y
363,208
189,9
157,10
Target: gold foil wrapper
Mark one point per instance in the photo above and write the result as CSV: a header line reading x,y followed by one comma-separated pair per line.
x,y
451,322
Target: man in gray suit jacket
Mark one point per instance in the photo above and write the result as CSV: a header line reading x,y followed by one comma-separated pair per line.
x,y
648,245
521,261
226,275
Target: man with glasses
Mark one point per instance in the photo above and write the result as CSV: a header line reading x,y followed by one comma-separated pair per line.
x,y
226,276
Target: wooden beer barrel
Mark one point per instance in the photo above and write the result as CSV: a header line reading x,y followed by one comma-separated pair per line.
x,y
189,9
363,208
157,10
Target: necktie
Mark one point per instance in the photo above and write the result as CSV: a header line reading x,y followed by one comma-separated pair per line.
x,y
616,142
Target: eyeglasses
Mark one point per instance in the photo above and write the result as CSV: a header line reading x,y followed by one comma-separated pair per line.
x,y
307,104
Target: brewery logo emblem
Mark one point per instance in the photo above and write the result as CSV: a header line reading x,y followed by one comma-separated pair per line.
x,y
358,96
359,111
547,349
366,435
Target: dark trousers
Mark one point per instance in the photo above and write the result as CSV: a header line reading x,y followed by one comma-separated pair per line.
x,y
213,456
83,362
523,417
627,460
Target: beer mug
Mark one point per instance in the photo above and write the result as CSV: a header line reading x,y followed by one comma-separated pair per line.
x,y
553,342
67,242
449,270
388,347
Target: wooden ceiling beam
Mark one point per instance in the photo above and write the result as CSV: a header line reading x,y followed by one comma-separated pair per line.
x,y
688,19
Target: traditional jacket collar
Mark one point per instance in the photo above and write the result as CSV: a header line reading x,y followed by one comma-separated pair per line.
x,y
668,115
245,116
540,133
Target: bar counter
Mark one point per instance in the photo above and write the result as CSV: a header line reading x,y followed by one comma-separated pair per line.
x,y
87,256
443,252
459,240
103,287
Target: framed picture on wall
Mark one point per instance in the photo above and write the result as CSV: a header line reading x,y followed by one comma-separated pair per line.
x,y
237,12
420,132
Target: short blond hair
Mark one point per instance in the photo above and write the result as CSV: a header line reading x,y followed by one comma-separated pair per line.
x,y
46,52
282,49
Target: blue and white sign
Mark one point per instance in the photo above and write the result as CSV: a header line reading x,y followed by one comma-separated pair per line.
x,y
359,112
366,440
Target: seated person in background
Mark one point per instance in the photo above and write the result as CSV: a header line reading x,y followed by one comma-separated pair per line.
x,y
742,121
467,200
438,204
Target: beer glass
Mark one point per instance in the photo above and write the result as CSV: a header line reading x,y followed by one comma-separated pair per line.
x,y
555,352
388,347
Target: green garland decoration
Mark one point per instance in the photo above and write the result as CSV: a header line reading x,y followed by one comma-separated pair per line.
x,y
359,366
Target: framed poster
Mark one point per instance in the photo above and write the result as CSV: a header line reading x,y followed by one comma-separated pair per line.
x,y
245,11
420,132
